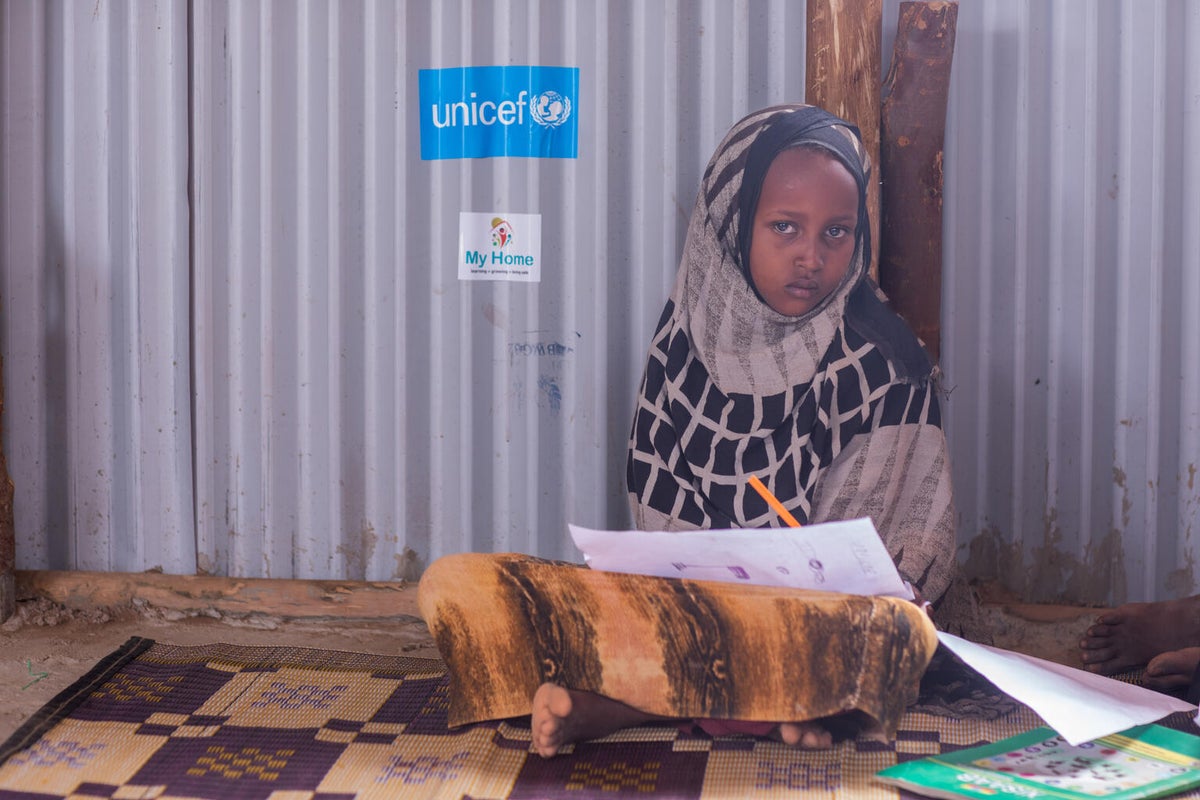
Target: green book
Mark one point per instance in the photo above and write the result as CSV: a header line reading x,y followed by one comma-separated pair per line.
x,y
1146,761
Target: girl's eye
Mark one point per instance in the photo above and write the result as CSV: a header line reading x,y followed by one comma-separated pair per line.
x,y
782,227
837,232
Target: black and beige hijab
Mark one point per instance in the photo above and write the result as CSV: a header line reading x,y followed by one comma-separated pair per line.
x,y
836,411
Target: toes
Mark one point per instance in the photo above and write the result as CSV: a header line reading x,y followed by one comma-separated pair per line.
x,y
546,720
1159,665
816,740
1166,682
1098,655
805,735
1116,616
547,737
1178,662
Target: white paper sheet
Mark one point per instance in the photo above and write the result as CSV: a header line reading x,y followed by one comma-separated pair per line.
x,y
849,557
1079,705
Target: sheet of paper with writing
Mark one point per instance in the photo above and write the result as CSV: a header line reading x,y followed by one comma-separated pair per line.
x,y
850,557
847,557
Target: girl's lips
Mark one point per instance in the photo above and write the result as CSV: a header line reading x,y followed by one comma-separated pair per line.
x,y
805,289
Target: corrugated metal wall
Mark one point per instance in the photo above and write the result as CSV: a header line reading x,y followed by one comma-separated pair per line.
x,y
308,390
1072,285
94,283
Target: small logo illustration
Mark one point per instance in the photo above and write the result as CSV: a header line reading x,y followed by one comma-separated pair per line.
x,y
502,232
550,109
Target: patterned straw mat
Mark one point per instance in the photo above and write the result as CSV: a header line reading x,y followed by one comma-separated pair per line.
x,y
226,722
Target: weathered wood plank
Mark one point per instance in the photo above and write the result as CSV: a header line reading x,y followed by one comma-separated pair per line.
x,y
193,594
842,68
913,124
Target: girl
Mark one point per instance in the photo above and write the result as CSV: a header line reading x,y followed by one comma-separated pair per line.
x,y
775,357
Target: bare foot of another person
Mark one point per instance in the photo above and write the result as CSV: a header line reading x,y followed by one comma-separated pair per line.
x,y
805,735
1172,670
1134,633
563,716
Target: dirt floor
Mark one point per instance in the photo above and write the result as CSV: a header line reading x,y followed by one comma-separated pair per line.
x,y
47,645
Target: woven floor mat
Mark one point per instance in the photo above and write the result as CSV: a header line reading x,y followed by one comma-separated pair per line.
x,y
225,722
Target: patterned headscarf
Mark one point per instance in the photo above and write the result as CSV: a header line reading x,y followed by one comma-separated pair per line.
x,y
836,410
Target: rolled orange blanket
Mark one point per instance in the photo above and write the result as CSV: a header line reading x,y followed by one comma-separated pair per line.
x,y
506,623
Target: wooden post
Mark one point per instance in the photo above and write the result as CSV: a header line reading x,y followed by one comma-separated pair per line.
x,y
8,543
842,68
913,124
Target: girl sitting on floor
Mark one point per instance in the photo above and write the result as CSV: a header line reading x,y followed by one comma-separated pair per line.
x,y
776,357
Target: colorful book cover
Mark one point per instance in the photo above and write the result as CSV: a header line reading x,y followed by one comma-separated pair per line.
x,y
1142,762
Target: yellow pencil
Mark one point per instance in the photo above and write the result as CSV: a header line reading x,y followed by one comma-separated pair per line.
x,y
773,502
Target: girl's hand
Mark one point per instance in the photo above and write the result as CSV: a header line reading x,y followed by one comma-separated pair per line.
x,y
920,600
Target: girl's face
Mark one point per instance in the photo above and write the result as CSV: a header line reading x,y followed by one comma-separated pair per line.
x,y
804,229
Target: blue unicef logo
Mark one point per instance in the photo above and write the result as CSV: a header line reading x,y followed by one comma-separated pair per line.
x,y
482,112
550,109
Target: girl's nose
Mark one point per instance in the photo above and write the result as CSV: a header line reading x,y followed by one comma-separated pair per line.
x,y
806,253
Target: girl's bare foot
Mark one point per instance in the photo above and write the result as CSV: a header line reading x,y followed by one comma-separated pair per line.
x,y
563,716
1134,633
805,735
1173,669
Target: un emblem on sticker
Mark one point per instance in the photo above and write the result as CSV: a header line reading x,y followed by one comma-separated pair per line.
x,y
550,109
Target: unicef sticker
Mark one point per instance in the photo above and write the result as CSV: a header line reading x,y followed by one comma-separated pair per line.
x,y
481,112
